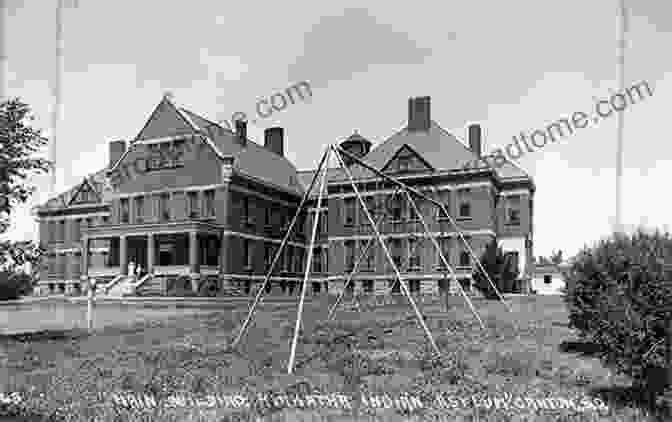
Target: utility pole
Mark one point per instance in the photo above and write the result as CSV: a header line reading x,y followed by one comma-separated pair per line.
x,y
56,92
618,223
3,50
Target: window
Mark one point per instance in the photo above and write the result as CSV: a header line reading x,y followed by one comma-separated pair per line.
x,y
268,216
61,230
547,279
349,211
247,254
404,163
317,260
139,209
413,254
444,244
178,153
124,210
465,206
105,219
349,255
512,258
269,254
288,258
164,210
396,252
193,204
76,229
209,203
465,210
367,286
247,218
513,211
465,259
322,223
412,215
370,258
395,208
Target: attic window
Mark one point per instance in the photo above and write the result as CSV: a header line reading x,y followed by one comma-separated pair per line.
x,y
404,163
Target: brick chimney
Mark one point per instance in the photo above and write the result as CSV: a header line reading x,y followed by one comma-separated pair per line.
x,y
117,149
475,139
273,140
419,118
241,132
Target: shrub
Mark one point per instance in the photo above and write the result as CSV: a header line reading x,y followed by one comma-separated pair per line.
x,y
13,286
618,291
500,268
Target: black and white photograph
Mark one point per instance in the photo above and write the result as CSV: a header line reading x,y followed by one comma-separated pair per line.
x,y
218,211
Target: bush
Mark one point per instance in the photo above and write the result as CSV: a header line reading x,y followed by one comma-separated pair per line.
x,y
13,286
619,289
501,269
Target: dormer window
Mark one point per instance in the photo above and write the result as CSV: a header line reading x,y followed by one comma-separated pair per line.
x,y
404,164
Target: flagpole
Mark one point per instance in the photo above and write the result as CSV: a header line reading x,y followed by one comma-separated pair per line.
x,y
618,223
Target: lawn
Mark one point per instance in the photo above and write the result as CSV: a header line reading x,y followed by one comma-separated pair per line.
x,y
529,352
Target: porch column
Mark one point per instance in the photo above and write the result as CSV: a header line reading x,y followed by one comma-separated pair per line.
x,y
85,258
123,255
194,259
150,252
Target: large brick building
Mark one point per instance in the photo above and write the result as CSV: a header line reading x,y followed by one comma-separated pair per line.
x,y
205,210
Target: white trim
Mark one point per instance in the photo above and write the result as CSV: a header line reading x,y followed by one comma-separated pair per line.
x,y
410,234
75,216
405,275
241,189
150,141
180,190
515,192
436,188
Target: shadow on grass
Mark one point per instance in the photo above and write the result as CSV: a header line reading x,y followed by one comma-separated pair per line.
x,y
584,348
45,335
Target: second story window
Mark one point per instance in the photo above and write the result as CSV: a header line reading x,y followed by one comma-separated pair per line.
x,y
246,215
513,210
139,209
395,251
123,213
413,254
444,244
247,254
465,259
370,257
164,210
350,212
464,203
193,204
61,231
349,255
209,203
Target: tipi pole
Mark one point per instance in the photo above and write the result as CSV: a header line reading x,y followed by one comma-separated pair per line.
x,y
309,258
278,253
443,258
404,287
370,242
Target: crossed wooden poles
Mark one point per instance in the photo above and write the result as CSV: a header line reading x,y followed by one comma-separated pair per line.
x,y
321,172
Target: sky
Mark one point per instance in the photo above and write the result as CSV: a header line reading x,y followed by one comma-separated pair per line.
x,y
510,66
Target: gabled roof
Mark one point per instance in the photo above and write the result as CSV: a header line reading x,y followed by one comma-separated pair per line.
x,y
406,150
94,180
85,185
438,148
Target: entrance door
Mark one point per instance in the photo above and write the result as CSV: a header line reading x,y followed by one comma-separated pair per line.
x,y
137,252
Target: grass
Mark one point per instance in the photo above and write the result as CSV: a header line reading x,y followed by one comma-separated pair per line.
x,y
529,352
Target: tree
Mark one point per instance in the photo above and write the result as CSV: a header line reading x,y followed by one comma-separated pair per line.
x,y
556,257
18,144
501,269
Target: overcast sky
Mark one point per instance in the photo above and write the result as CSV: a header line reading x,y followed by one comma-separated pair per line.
x,y
512,66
